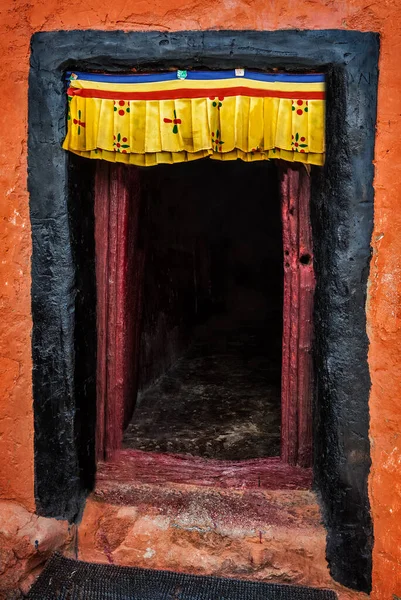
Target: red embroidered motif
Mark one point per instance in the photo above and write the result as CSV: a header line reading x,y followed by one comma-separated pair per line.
x,y
301,106
216,141
79,122
298,143
120,144
175,122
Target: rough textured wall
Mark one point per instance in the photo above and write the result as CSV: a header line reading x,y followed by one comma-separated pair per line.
x,y
19,20
26,542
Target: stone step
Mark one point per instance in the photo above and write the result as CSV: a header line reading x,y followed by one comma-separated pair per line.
x,y
255,519
265,535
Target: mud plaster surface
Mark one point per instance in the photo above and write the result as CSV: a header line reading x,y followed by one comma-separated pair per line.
x,y
221,400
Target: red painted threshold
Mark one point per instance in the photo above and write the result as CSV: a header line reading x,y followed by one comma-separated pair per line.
x,y
136,466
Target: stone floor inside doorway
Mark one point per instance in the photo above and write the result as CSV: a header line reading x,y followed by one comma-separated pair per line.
x,y
221,400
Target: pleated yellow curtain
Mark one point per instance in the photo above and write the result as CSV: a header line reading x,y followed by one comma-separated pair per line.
x,y
180,116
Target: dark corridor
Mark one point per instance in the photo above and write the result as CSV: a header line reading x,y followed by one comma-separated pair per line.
x,y
210,349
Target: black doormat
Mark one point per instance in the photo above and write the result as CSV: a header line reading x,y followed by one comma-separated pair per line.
x,y
66,579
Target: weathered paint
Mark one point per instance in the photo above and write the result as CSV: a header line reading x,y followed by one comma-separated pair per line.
x,y
278,538
19,20
299,287
164,469
119,273
258,534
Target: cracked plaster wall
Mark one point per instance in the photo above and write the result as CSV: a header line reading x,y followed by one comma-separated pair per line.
x,y
19,19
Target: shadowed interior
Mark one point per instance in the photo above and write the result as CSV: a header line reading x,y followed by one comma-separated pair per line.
x,y
210,350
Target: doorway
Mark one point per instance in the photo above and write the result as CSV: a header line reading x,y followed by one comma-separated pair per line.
x,y
210,342
204,293
63,291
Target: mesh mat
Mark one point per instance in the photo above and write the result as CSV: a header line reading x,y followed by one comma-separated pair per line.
x,y
66,579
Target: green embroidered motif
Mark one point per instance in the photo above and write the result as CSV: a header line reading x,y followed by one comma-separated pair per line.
x,y
121,107
69,108
301,107
217,102
120,143
216,141
79,122
298,143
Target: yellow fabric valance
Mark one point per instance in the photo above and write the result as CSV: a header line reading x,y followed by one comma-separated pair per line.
x,y
180,116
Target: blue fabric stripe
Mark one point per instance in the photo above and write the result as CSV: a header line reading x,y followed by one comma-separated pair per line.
x,y
148,78
286,77
198,76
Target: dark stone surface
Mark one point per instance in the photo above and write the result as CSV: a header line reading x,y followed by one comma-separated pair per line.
x,y
342,221
81,212
342,224
221,400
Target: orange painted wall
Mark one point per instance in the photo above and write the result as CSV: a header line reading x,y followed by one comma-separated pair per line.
x,y
19,19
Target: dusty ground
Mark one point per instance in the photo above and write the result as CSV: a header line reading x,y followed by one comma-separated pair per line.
x,y
221,400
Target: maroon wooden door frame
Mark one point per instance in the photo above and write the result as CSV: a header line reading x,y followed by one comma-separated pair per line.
x,y
119,274
299,286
